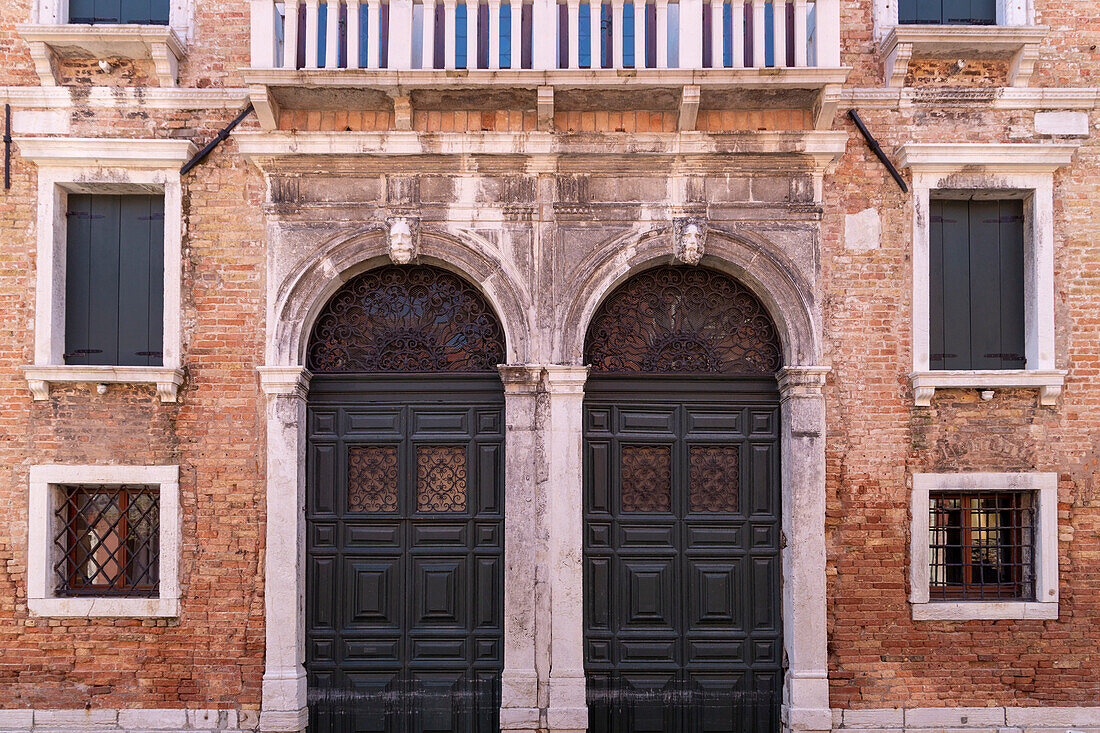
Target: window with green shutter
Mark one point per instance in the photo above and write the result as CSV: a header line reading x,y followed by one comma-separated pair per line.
x,y
114,280
145,12
976,293
948,12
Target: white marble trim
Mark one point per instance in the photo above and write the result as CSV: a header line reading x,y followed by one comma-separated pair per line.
x,y
1044,487
44,480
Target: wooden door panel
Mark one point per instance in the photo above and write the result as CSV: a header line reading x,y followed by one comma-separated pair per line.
x,y
404,562
682,617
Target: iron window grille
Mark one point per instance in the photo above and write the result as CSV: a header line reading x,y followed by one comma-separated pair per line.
x,y
981,546
108,540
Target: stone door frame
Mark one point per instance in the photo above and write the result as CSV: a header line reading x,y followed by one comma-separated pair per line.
x,y
543,415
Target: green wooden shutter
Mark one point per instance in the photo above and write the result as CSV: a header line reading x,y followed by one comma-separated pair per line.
x,y
976,285
1012,284
114,290
146,12
947,12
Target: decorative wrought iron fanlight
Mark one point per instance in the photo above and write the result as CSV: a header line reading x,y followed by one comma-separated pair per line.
x,y
682,320
406,319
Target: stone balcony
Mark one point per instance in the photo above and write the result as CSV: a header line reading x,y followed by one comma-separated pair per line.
x,y
544,57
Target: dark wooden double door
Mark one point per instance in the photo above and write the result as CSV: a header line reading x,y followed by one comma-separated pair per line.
x,y
404,627
682,569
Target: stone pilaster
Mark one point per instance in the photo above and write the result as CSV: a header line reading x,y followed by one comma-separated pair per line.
x,y
567,710
519,694
283,705
806,688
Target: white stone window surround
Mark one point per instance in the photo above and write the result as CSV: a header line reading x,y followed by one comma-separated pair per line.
x,y
996,170
1044,488
45,481
106,166
1009,13
50,31
181,15
1015,33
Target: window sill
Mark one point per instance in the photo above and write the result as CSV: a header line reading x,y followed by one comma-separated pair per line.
x,y
156,43
105,607
1048,382
985,610
1019,43
167,379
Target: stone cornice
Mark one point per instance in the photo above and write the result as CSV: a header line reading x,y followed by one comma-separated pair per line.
x,y
802,381
817,149
285,380
566,379
520,378
105,152
53,97
1015,158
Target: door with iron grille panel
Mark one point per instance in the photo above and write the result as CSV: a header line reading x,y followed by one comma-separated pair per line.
x,y
682,508
404,507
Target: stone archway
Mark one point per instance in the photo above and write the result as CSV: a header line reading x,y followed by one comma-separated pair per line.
x,y
297,292
785,292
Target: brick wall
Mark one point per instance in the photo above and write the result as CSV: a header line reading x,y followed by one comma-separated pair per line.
x,y
213,655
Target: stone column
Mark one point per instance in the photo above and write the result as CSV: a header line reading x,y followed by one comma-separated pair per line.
x,y
567,711
519,710
806,688
283,705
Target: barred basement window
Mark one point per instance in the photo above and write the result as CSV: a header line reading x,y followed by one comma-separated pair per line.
x,y
108,540
981,546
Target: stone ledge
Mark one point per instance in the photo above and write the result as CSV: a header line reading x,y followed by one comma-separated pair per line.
x,y
1038,719
986,610
1048,382
106,607
131,720
166,379
156,43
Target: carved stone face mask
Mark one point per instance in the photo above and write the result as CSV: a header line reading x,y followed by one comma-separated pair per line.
x,y
401,243
691,244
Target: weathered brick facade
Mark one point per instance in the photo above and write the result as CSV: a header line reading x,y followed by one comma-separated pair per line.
x,y
213,655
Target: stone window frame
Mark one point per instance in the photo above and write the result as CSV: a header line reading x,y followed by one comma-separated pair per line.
x,y
45,481
50,31
1043,486
1010,14
106,166
996,170
1015,34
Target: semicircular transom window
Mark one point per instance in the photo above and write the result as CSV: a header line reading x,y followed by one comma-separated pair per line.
x,y
406,319
682,320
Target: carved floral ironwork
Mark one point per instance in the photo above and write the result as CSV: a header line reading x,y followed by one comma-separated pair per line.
x,y
441,478
713,480
372,478
646,478
682,320
406,319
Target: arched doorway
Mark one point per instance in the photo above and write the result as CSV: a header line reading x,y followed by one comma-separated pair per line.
x,y
404,506
682,500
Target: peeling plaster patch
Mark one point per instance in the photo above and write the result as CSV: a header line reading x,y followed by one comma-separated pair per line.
x,y
862,231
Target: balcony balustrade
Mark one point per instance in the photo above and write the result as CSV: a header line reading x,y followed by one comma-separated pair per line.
x,y
544,34
336,54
